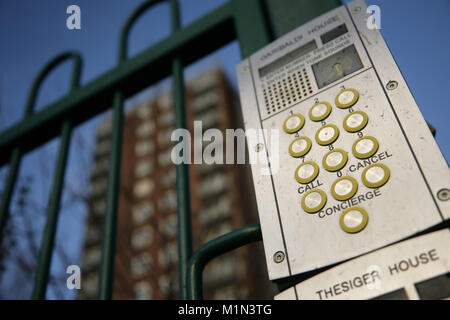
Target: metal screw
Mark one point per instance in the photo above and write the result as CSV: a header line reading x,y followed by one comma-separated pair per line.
x,y
245,69
356,10
278,257
443,194
392,85
259,147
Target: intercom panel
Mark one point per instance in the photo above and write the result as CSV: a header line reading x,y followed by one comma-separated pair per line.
x,y
345,163
418,268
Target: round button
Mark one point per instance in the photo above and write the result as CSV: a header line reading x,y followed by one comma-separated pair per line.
x,y
365,147
294,123
344,188
299,147
320,111
335,160
327,134
346,98
375,175
353,219
314,200
355,121
306,172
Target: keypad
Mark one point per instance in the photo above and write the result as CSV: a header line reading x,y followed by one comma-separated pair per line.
x,y
354,219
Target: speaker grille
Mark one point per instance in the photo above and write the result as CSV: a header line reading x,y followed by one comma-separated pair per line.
x,y
287,91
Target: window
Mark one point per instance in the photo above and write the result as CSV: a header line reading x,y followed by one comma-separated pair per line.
x,y
203,83
93,235
143,211
166,285
102,147
91,258
105,128
100,167
99,186
216,184
164,158
145,129
144,112
168,255
165,101
216,211
143,188
143,291
205,169
227,293
143,168
142,237
140,265
168,179
166,118
168,226
99,207
164,137
143,148
218,231
209,118
168,201
89,284
222,270
204,101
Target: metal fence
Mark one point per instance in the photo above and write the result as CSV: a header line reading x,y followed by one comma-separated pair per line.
x,y
245,20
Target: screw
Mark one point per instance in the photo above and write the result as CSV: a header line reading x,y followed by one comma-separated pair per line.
x,y
278,257
259,147
443,194
356,10
392,85
245,69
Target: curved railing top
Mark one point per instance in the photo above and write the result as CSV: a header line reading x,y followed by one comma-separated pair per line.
x,y
75,81
123,42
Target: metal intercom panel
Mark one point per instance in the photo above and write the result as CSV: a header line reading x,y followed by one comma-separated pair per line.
x,y
418,268
354,167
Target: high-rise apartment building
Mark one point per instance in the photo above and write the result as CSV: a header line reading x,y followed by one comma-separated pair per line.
x,y
221,200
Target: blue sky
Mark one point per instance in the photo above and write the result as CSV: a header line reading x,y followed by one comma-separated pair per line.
x,y
32,32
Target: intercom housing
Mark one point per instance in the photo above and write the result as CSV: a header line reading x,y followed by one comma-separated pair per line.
x,y
356,168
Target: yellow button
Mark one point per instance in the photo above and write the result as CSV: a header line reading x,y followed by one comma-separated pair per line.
x,y
355,121
365,147
320,111
353,219
314,200
335,160
346,98
294,123
306,172
344,188
327,134
299,147
375,175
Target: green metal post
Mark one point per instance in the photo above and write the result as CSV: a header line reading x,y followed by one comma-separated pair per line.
x,y
106,277
214,248
16,155
252,27
14,165
184,222
48,239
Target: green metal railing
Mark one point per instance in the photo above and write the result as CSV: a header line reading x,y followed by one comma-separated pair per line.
x,y
245,20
